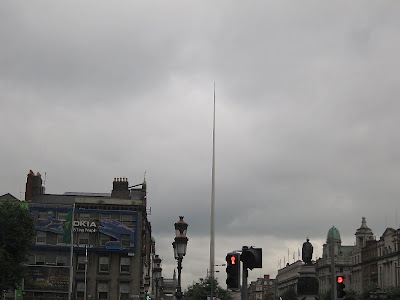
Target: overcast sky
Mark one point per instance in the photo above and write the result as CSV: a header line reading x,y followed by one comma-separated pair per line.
x,y
307,115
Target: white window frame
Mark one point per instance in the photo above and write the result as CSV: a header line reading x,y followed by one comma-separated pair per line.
x,y
40,237
126,241
84,216
81,262
61,260
105,216
124,290
125,261
40,259
60,239
43,214
127,219
104,261
104,238
102,287
80,287
83,238
62,215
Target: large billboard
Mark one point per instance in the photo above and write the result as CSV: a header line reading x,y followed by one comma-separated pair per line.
x,y
104,230
39,278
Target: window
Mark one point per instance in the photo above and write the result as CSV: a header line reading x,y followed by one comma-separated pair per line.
x,y
40,237
84,217
62,215
60,239
50,259
31,259
127,219
102,290
104,239
40,259
124,289
104,264
125,240
105,216
81,263
83,238
80,290
61,260
125,264
42,215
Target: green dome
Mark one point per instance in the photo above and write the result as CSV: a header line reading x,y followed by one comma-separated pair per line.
x,y
335,233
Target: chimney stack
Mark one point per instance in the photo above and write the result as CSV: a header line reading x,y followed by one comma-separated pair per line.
x,y
120,188
33,186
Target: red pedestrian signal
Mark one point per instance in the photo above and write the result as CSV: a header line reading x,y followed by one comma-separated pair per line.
x,y
233,270
340,287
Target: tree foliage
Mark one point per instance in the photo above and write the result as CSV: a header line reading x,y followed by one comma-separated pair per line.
x,y
17,230
202,289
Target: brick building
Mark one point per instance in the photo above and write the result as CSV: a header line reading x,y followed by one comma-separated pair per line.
x,y
262,288
108,235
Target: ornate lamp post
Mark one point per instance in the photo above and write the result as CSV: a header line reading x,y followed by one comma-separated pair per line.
x,y
180,245
157,272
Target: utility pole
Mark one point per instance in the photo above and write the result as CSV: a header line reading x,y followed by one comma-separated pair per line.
x,y
333,273
244,282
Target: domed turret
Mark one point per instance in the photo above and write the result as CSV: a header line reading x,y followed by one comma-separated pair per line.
x,y
363,234
333,232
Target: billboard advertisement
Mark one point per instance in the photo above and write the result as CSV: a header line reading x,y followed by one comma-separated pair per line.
x,y
46,278
120,227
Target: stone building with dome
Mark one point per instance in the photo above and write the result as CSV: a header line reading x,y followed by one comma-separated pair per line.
x,y
343,260
364,237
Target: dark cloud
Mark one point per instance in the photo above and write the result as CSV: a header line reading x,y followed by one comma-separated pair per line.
x,y
307,114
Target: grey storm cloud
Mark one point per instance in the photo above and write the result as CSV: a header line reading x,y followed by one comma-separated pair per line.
x,y
306,114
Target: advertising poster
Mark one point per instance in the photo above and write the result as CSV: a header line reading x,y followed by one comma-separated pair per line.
x,y
45,278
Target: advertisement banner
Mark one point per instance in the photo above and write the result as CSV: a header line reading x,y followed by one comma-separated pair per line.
x,y
46,278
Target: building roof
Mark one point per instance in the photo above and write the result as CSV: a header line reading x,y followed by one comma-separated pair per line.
x,y
335,233
8,197
364,229
87,194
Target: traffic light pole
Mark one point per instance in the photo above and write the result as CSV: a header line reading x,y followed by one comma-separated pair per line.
x,y
333,273
244,282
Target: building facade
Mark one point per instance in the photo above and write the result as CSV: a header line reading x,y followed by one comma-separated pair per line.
x,y
287,278
261,289
369,264
342,259
106,238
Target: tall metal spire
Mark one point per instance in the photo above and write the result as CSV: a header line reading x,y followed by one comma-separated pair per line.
x,y
212,224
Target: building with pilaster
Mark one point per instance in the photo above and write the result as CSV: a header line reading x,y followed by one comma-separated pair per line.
x,y
287,277
388,259
262,288
342,258
104,237
364,236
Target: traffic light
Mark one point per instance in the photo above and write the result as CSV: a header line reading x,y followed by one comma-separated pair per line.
x,y
340,286
251,257
233,270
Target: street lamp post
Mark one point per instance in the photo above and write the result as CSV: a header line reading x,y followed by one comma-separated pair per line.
x,y
211,276
86,266
146,286
157,273
180,245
